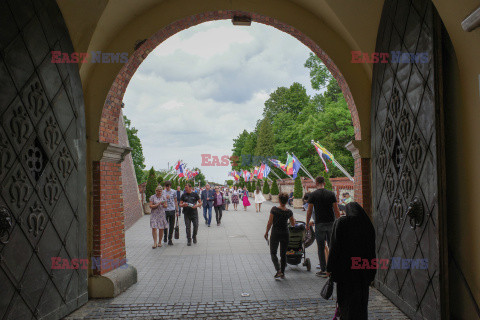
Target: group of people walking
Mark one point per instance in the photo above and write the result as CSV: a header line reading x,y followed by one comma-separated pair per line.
x,y
344,237
339,237
167,205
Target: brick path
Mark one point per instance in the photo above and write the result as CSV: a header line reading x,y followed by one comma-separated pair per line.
x,y
206,280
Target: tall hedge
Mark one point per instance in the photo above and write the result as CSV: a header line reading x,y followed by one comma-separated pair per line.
x,y
258,185
266,188
274,191
151,184
297,189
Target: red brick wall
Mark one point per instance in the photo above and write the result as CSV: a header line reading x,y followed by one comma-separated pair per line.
x,y
108,218
131,197
362,184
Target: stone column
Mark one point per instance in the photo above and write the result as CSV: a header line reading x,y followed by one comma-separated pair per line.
x,y
360,150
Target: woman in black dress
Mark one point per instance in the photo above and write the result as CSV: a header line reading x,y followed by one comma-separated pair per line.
x,y
353,236
278,221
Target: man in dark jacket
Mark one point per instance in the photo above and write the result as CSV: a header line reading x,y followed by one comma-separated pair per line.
x,y
207,200
353,238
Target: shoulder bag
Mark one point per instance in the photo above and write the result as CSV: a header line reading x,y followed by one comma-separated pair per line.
x,y
327,289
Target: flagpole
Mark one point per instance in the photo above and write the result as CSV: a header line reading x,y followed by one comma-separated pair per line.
x,y
280,170
303,167
341,168
338,165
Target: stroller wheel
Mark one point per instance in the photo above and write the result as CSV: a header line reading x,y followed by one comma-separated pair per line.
x,y
308,264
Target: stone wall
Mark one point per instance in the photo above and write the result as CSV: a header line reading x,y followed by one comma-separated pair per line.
x,y
339,185
131,197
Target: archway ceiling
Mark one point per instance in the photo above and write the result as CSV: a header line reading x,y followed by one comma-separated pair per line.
x,y
95,24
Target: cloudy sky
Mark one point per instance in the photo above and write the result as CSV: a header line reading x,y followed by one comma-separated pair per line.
x,y
200,88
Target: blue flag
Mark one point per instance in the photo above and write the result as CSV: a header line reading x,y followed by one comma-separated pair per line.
x,y
296,166
266,171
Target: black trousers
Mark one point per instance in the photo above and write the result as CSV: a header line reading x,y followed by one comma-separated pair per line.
x,y
218,213
282,240
170,215
352,300
191,218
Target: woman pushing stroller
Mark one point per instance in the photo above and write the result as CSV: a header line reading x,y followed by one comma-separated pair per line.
x,y
278,222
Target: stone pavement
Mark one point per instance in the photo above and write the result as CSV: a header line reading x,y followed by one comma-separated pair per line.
x,y
206,280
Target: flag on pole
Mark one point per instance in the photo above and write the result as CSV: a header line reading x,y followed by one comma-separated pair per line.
x,y
278,164
296,166
255,172
251,175
322,155
247,175
289,164
260,171
179,168
267,170
236,175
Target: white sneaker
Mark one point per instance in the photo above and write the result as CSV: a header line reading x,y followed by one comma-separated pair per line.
x,y
318,267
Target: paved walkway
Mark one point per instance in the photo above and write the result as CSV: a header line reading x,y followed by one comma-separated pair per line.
x,y
207,280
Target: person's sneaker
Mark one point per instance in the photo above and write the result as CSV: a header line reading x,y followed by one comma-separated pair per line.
x,y
164,240
170,243
189,243
218,224
195,240
318,267
282,275
208,225
321,274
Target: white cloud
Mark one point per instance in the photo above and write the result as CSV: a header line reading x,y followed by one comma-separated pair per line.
x,y
202,87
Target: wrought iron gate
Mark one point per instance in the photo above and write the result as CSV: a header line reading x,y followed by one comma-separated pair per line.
x,y
407,166
42,165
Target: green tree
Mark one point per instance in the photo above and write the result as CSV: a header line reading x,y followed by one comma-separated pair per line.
x,y
297,188
248,151
265,140
241,182
137,150
160,180
259,185
151,184
274,191
266,187
290,100
230,183
319,74
199,178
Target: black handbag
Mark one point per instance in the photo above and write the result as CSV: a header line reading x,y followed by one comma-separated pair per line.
x,y
327,289
177,230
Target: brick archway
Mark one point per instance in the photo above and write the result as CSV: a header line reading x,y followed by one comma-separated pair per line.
x,y
109,122
108,233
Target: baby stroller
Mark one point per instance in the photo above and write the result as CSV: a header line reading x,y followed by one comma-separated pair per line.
x,y
296,245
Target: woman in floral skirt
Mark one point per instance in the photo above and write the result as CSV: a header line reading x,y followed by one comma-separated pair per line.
x,y
158,220
235,195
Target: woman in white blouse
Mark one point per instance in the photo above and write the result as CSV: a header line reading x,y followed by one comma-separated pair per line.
x,y
259,199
